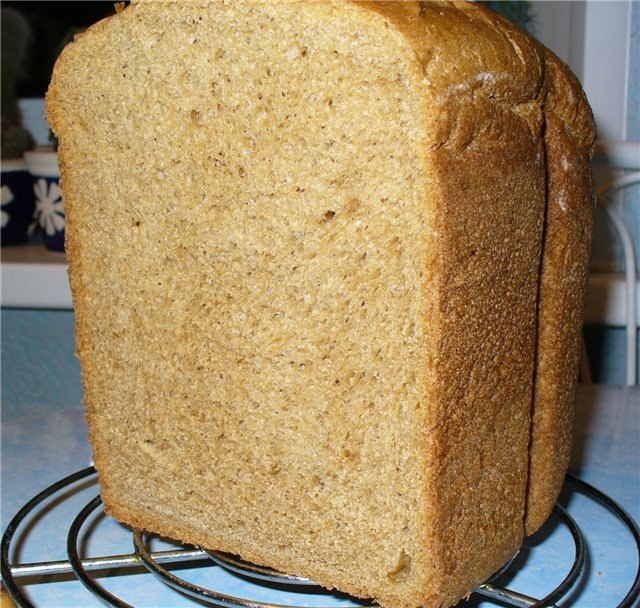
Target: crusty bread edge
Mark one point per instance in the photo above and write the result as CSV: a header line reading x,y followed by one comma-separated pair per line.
x,y
569,138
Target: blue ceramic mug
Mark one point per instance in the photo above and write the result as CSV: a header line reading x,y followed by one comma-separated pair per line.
x,y
43,165
17,201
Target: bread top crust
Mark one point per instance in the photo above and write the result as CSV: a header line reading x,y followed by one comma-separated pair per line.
x,y
465,49
566,99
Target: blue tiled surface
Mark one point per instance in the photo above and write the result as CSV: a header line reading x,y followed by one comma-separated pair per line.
x,y
42,444
38,358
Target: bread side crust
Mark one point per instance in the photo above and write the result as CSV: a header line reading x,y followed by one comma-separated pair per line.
x,y
569,137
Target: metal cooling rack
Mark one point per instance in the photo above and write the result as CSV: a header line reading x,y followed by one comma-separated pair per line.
x,y
160,562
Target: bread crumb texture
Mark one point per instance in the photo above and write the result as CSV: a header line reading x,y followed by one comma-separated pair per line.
x,y
304,243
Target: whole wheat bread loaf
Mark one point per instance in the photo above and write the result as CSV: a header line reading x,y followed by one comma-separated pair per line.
x,y
328,262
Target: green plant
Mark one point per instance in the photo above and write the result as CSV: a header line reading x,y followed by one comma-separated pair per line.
x,y
16,139
517,11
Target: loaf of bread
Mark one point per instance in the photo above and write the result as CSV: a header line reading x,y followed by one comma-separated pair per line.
x,y
328,262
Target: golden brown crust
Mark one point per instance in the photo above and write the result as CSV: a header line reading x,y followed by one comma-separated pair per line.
x,y
487,265
569,136
462,48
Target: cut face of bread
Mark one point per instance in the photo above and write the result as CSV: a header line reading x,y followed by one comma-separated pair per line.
x,y
304,249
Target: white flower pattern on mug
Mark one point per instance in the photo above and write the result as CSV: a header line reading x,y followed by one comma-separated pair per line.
x,y
49,210
6,196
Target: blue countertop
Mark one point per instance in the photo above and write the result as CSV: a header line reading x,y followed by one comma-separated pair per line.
x,y
42,445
